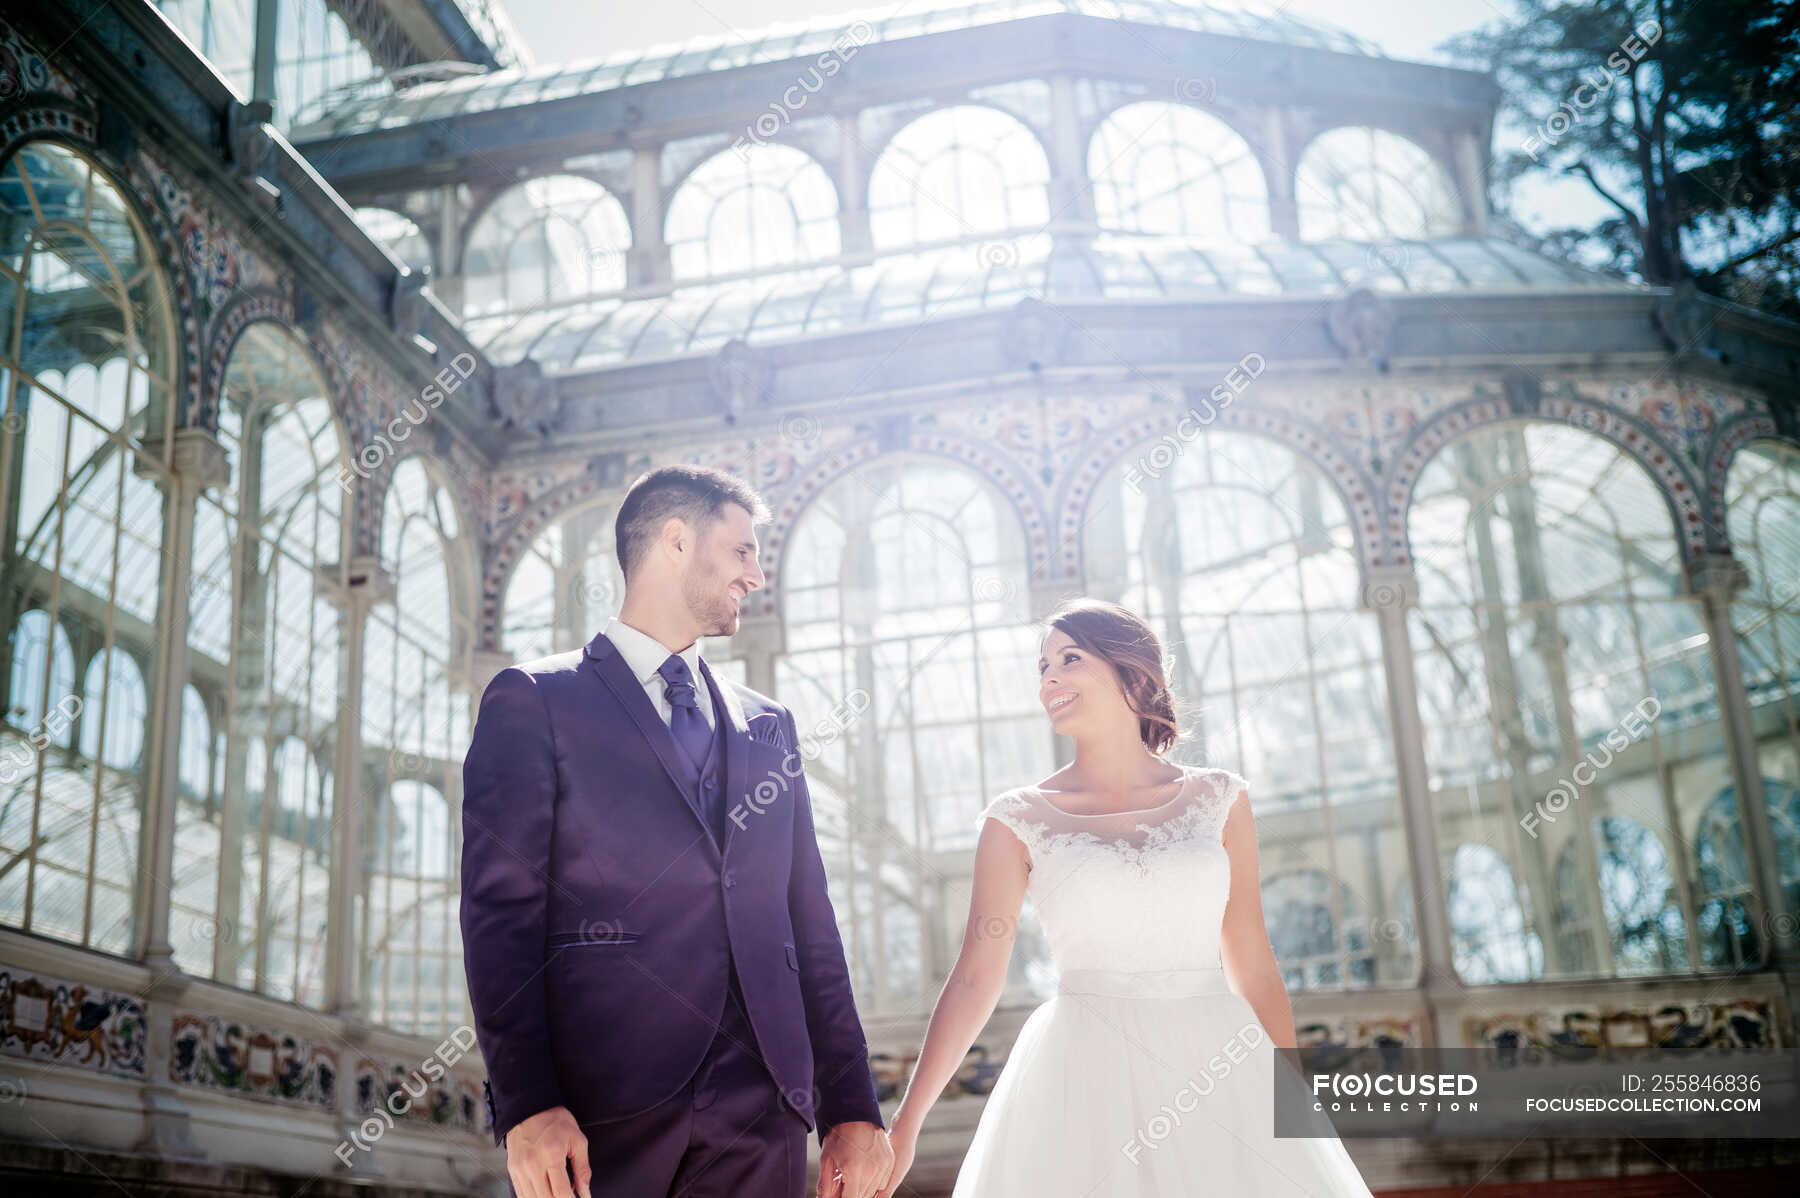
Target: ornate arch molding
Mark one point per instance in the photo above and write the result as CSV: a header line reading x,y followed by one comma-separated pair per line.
x,y
1731,437
259,306
1630,434
1354,486
1025,499
277,309
52,116
503,554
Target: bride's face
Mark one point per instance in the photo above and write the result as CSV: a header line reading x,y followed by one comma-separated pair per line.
x,y
1076,688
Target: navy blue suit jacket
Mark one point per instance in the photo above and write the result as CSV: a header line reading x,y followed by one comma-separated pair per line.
x,y
598,913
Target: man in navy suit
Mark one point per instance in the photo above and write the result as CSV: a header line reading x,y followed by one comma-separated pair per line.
x,y
658,984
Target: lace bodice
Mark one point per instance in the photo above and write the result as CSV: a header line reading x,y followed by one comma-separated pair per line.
x,y
1129,890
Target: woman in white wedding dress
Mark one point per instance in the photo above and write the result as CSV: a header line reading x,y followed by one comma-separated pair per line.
x,y
1150,1072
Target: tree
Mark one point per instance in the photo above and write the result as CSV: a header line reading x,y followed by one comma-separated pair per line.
x,y
1682,115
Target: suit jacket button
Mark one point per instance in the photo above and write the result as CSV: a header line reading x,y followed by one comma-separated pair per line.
x,y
727,880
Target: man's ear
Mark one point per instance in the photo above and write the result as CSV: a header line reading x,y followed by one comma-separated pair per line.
x,y
676,531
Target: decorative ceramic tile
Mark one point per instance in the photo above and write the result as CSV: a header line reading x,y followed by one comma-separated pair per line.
x,y
228,1054
419,1094
47,1018
23,70
1649,1030
1354,1042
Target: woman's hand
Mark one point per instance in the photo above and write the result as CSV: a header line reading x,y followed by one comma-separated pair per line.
x,y
905,1142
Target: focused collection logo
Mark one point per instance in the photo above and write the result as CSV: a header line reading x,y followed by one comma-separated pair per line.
x,y
1346,1092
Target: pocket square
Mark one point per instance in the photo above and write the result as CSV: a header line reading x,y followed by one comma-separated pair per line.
x,y
765,729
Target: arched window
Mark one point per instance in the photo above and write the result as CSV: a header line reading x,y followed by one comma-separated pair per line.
x,y
253,875
86,385
957,173
1172,170
1762,498
1364,184
402,237
904,593
43,681
564,588
1491,936
1640,929
543,240
1242,557
1566,690
411,951
768,206
1728,927
114,710
1312,924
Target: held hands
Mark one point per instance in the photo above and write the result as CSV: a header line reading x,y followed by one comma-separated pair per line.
x,y
538,1152
854,1160
905,1142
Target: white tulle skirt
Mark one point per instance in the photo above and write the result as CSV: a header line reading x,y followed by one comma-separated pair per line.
x,y
1145,1086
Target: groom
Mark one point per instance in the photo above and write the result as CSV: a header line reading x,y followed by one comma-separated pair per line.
x,y
658,985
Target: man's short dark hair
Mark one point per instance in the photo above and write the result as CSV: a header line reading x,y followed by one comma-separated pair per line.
x,y
698,494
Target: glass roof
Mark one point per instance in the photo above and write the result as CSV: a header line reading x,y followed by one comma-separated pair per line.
x,y
516,87
924,285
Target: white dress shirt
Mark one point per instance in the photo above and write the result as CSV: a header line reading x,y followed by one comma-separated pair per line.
x,y
645,655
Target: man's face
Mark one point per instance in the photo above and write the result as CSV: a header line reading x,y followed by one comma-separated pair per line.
x,y
724,571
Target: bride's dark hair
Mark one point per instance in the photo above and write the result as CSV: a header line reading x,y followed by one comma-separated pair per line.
x,y
1127,644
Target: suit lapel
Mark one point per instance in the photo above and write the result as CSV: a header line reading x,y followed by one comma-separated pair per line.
x,y
737,741
604,658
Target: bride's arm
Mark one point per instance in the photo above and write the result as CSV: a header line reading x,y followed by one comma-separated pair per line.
x,y
1244,943
979,975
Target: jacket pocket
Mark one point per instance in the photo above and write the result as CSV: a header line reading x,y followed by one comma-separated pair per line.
x,y
793,958
588,939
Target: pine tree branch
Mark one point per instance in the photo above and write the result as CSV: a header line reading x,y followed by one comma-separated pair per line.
x,y
1788,238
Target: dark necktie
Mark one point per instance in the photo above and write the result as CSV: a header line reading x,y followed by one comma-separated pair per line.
x,y
685,720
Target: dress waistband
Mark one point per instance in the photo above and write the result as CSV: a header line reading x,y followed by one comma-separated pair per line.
x,y
1146,983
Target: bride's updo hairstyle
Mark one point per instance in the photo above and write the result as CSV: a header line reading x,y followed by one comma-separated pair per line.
x,y
1127,644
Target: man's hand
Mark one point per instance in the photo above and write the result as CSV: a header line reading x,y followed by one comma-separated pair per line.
x,y
538,1152
855,1159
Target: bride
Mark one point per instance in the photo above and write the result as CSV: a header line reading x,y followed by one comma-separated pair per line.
x,y
1150,1072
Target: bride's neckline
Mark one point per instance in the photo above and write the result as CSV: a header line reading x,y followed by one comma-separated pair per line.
x,y
1187,776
